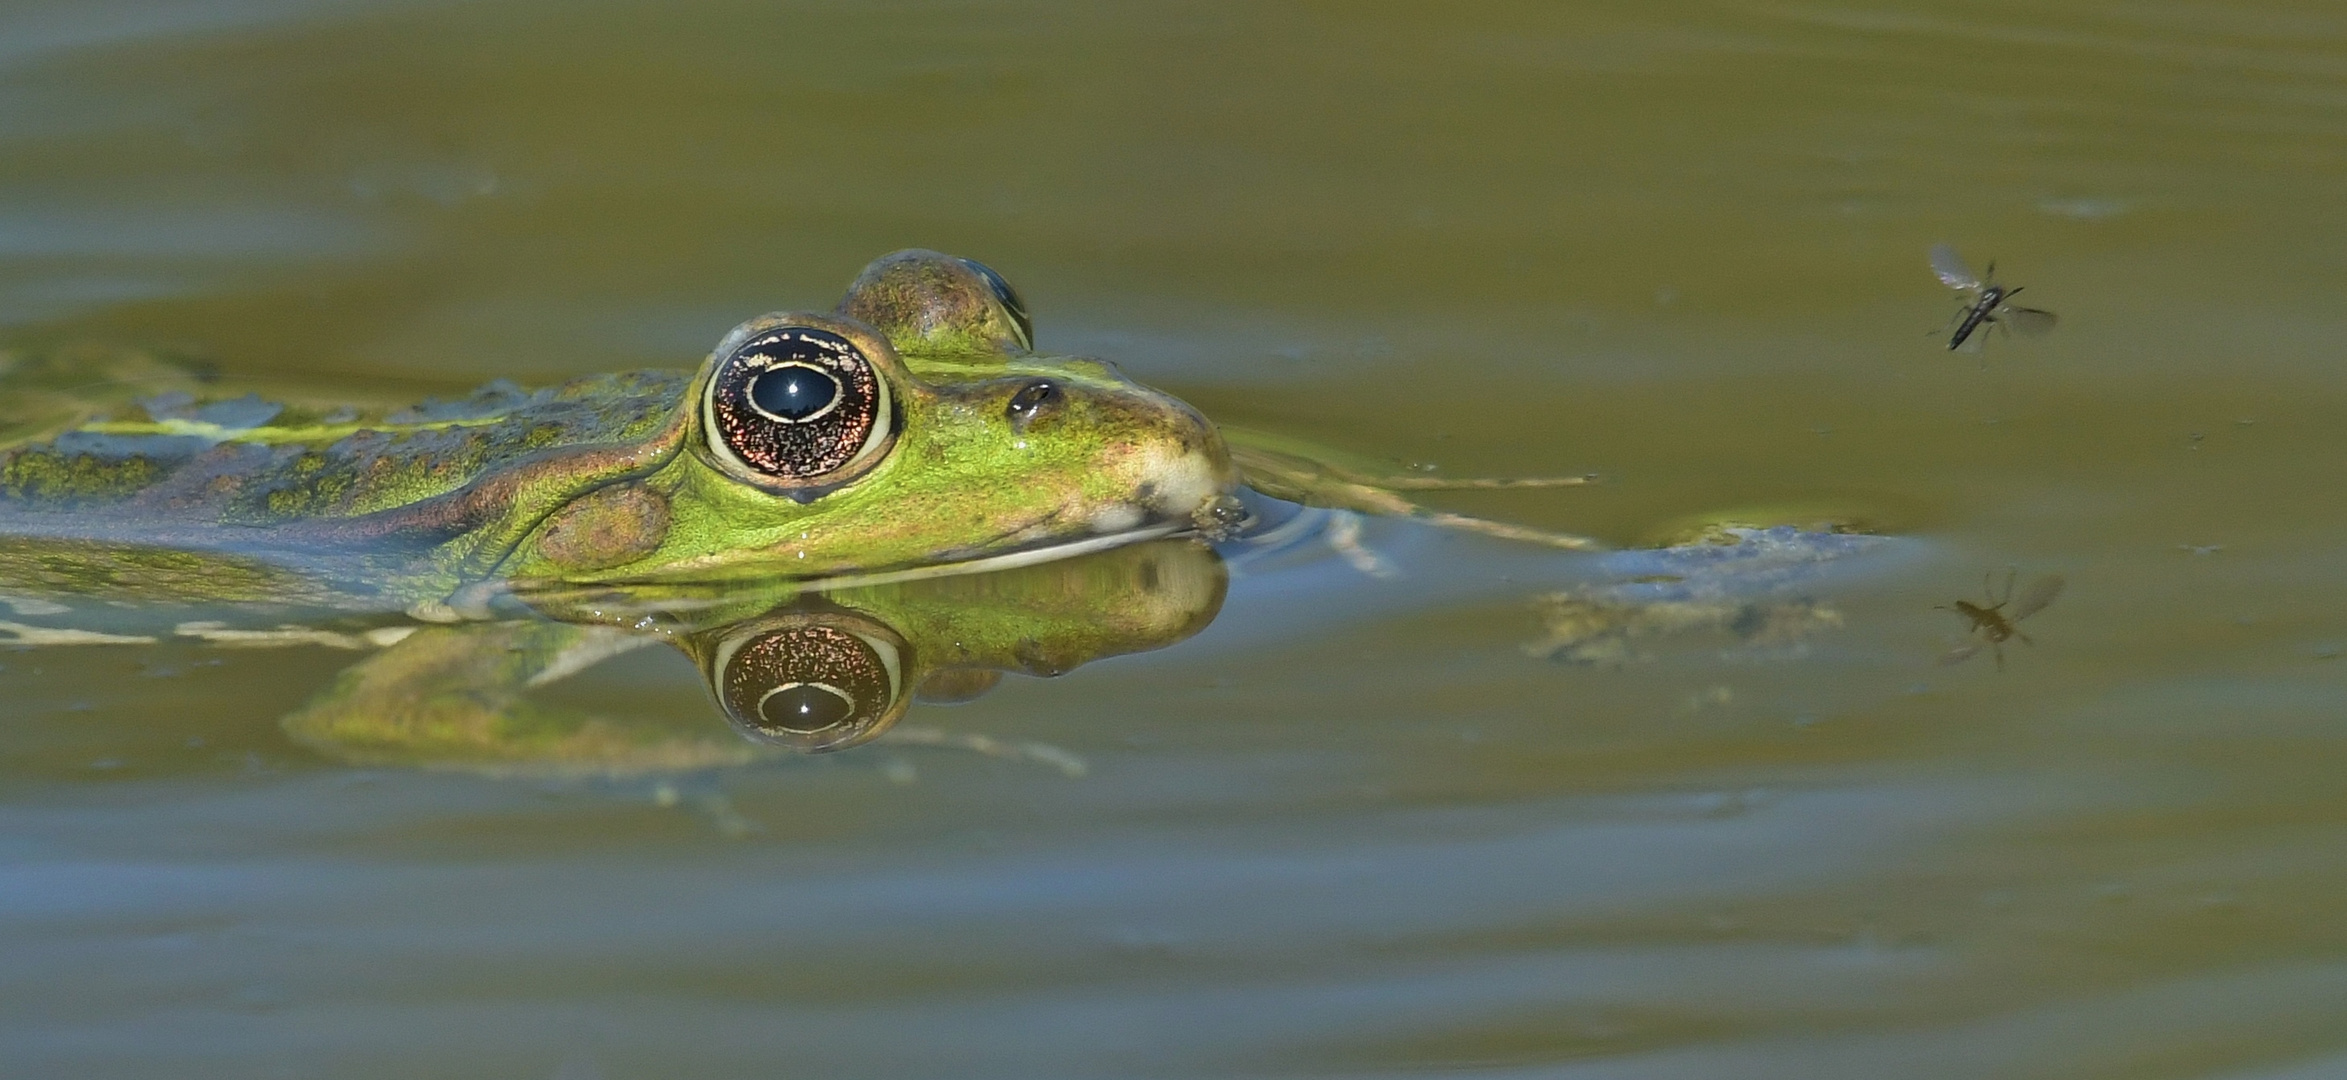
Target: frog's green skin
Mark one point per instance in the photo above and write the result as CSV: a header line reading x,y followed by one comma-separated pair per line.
x,y
462,696
609,478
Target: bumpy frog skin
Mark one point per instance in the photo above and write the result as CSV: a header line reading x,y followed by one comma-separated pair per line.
x,y
913,427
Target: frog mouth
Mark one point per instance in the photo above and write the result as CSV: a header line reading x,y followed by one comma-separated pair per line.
x,y
1026,544
1043,552
1176,490
1105,527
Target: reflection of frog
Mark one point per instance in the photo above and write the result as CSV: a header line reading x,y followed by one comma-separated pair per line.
x,y
805,671
911,428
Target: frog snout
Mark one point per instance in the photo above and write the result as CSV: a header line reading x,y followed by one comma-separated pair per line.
x,y
1179,471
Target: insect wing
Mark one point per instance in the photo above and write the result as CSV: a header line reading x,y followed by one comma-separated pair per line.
x,y
2027,320
1958,655
1950,268
2034,598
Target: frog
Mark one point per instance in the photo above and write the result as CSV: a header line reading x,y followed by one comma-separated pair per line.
x,y
912,426
788,498
810,471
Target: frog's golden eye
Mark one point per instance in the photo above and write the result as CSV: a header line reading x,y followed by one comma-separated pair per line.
x,y
796,406
812,682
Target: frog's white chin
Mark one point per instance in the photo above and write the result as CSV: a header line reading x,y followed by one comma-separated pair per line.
x,y
1116,518
1174,484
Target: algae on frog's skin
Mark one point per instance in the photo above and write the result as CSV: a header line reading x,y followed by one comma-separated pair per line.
x,y
118,571
41,475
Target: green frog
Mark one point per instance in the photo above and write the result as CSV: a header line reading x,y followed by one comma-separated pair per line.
x,y
912,427
836,514
900,492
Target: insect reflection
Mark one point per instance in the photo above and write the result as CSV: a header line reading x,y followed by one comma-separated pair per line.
x,y
1988,303
1997,619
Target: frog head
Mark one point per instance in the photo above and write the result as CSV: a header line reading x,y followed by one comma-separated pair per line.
x,y
914,426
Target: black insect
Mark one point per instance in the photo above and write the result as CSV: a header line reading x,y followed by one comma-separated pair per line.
x,y
1989,303
1995,621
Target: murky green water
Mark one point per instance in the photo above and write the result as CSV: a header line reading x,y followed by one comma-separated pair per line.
x,y
1355,827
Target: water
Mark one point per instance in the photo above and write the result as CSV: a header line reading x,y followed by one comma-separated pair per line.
x,y
1354,827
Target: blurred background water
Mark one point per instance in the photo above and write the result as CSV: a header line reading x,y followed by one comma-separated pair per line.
x,y
1355,827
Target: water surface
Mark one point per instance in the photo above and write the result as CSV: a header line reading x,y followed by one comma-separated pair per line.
x,y
1355,827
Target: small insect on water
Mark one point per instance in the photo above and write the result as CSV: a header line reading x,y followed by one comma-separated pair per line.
x,y
1989,303
1996,620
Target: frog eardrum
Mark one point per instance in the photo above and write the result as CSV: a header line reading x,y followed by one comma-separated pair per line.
x,y
797,406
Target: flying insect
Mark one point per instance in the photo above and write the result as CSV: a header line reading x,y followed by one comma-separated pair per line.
x,y
1988,304
1997,620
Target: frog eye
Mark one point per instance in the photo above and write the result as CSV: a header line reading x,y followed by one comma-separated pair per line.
x,y
812,683
796,406
1009,298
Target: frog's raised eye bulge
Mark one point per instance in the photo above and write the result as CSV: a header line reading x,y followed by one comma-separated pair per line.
x,y
1009,298
796,406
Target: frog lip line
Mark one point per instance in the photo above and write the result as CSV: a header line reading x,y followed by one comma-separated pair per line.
x,y
1118,521
1006,561
1137,530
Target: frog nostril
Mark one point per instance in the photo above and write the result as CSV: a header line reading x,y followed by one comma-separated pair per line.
x,y
1033,400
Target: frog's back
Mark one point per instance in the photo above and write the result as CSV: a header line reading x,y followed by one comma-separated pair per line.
x,y
125,450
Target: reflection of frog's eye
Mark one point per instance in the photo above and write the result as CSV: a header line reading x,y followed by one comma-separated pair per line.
x,y
796,406
803,708
810,685
1009,298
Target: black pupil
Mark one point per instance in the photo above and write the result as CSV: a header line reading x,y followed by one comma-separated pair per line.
x,y
793,391
806,707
